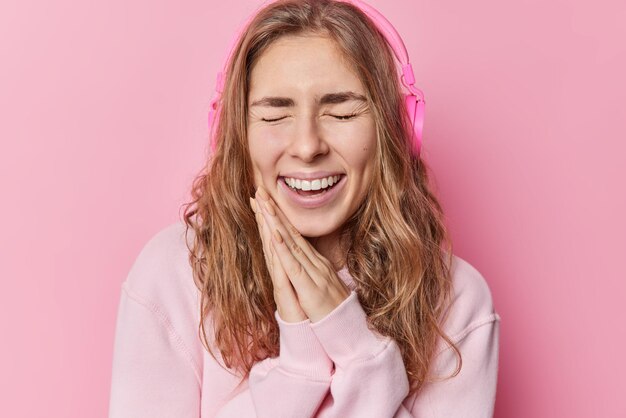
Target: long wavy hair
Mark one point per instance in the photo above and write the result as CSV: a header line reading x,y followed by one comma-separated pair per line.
x,y
398,249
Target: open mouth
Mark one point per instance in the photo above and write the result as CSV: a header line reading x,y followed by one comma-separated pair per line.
x,y
319,192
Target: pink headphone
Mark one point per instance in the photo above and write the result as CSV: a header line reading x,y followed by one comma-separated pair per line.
x,y
414,99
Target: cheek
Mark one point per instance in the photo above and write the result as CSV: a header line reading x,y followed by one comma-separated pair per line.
x,y
262,154
359,147
267,141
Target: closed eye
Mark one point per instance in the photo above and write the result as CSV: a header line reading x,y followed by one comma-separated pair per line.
x,y
339,117
273,120
344,117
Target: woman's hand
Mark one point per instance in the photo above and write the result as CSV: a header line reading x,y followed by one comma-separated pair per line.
x,y
305,282
286,301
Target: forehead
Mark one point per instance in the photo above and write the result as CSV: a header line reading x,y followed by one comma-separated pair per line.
x,y
303,62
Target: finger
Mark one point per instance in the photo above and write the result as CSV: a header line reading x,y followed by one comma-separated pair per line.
x,y
267,245
294,236
273,223
298,275
263,233
292,232
285,295
314,271
279,220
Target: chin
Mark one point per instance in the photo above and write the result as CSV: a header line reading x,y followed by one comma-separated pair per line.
x,y
314,229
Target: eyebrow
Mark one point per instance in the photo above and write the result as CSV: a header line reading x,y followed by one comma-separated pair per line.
x,y
330,98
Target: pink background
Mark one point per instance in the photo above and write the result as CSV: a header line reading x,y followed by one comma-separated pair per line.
x,y
103,108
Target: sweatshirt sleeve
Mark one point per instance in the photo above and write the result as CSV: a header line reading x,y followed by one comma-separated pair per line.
x,y
474,388
370,377
294,384
153,373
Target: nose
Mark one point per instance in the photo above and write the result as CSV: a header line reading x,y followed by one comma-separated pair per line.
x,y
307,142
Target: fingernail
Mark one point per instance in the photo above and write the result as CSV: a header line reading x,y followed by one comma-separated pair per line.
x,y
278,237
253,205
270,209
261,191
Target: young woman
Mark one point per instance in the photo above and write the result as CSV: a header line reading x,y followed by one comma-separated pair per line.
x,y
312,275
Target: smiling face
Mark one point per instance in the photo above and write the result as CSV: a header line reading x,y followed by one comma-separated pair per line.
x,y
300,127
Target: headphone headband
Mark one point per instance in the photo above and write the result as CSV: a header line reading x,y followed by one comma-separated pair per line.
x,y
414,101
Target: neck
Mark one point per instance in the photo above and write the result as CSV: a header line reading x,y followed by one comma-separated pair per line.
x,y
330,247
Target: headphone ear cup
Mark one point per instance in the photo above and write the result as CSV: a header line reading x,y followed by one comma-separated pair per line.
x,y
415,109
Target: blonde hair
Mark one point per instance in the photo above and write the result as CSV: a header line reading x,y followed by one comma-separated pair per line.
x,y
399,253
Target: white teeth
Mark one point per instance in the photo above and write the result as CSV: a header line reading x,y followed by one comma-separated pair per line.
x,y
316,184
